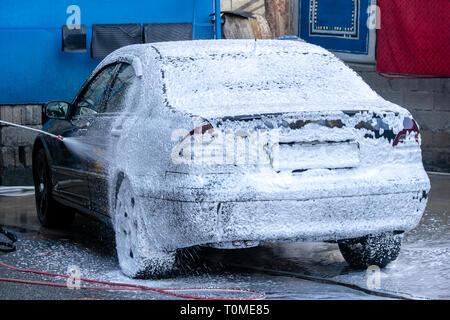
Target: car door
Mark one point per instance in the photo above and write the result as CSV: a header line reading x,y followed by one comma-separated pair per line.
x,y
71,166
103,134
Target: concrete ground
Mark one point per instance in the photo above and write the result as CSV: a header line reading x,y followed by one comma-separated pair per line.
x,y
281,271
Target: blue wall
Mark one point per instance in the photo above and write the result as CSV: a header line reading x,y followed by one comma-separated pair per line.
x,y
33,67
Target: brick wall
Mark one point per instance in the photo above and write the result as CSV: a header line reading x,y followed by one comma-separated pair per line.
x,y
428,100
16,144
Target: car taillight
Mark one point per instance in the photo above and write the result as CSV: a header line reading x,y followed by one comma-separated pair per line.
x,y
199,139
409,127
201,129
200,146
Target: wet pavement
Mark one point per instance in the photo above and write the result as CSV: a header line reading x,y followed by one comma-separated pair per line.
x,y
281,271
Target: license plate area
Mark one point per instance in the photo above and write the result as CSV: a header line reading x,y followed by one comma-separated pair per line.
x,y
314,155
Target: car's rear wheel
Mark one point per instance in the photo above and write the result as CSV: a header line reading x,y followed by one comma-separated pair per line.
x,y
378,250
50,213
138,256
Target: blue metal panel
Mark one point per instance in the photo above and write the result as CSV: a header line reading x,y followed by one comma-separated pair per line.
x,y
33,67
218,19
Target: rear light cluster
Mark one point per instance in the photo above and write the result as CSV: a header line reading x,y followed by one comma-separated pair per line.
x,y
195,143
201,130
409,127
209,146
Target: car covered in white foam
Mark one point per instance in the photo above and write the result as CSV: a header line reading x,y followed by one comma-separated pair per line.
x,y
233,143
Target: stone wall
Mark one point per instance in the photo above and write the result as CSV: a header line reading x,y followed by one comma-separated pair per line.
x,y
16,144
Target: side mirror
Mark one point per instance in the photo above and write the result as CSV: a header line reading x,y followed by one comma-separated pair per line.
x,y
56,109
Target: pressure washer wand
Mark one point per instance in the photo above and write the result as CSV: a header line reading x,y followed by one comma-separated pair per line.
x,y
60,138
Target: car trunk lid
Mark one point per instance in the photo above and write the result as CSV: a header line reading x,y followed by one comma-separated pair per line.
x,y
301,141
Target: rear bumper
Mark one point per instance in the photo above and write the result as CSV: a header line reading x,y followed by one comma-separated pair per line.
x,y
266,185
189,223
323,209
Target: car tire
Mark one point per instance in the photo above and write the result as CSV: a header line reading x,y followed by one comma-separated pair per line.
x,y
50,213
138,257
379,250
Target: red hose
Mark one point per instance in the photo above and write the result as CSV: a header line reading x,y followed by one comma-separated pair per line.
x,y
129,287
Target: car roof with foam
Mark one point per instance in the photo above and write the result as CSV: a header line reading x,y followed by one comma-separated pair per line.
x,y
231,77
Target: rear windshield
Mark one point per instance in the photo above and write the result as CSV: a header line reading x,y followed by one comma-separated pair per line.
x,y
262,82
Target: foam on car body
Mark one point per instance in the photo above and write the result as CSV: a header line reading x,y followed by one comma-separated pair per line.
x,y
297,83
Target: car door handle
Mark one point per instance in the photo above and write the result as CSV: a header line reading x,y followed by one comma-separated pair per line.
x,y
82,132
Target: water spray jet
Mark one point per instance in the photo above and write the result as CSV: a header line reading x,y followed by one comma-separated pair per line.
x,y
60,138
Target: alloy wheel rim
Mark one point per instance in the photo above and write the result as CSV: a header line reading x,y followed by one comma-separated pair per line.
x,y
42,192
127,227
